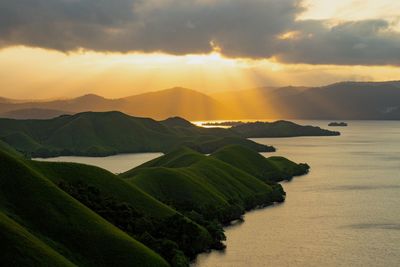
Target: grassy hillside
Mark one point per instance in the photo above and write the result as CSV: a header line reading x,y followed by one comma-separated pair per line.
x,y
105,181
20,248
6,148
102,134
73,212
265,169
164,212
49,225
220,186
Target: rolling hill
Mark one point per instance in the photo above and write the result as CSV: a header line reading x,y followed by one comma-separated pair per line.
x,y
108,133
78,215
163,212
220,186
42,225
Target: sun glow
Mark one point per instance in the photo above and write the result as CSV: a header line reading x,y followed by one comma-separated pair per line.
x,y
38,73
289,35
54,74
350,9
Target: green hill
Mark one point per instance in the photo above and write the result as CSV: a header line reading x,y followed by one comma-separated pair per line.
x,y
108,133
163,212
109,203
41,223
6,148
266,169
211,185
105,181
20,248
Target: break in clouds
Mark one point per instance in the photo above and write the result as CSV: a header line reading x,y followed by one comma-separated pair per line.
x,y
238,28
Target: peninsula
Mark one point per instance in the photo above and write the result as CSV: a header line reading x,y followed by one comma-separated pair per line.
x,y
162,213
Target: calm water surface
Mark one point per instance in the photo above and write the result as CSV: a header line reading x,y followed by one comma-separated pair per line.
x,y
115,164
346,212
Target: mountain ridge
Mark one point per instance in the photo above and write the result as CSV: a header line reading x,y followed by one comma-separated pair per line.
x,y
177,101
343,100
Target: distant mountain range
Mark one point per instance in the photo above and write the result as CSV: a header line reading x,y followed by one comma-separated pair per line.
x,y
158,105
344,101
350,101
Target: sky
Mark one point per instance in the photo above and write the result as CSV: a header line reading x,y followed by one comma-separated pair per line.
x,y
67,48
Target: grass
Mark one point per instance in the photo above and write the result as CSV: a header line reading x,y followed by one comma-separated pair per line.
x,y
265,169
107,182
108,133
53,227
179,200
234,177
20,248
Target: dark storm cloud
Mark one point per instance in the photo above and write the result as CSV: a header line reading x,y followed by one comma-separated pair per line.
x,y
240,28
173,26
64,24
367,42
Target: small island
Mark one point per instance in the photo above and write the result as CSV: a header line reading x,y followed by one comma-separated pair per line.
x,y
279,129
223,123
337,124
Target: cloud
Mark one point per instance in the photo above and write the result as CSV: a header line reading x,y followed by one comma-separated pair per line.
x,y
366,42
239,28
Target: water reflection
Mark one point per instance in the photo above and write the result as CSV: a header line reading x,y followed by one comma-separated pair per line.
x,y
345,212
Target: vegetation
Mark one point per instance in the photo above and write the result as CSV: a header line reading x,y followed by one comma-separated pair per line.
x,y
102,134
20,248
279,129
167,236
42,224
162,213
274,169
220,186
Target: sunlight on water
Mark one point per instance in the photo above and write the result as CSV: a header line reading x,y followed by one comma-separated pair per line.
x,y
116,164
344,213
